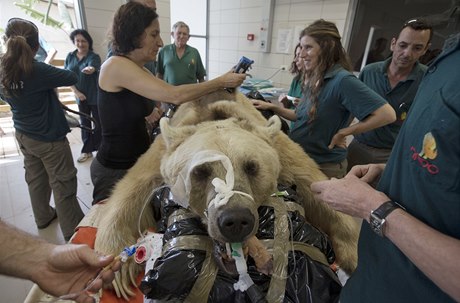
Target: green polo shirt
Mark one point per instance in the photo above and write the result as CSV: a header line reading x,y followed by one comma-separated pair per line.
x,y
342,96
422,174
186,70
400,98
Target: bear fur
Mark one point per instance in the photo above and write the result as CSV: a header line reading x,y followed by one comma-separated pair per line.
x,y
262,157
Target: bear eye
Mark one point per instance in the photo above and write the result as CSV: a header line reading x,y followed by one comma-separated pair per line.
x,y
251,168
202,172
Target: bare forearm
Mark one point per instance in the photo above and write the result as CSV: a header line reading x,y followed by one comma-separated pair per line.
x,y
432,252
21,253
117,73
420,243
380,117
183,93
285,113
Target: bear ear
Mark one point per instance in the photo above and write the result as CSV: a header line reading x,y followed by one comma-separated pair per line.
x,y
173,136
273,126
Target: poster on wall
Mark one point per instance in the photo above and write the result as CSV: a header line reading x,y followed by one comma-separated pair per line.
x,y
284,41
297,30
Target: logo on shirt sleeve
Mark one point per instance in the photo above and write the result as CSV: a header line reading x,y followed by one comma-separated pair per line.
x,y
403,109
428,152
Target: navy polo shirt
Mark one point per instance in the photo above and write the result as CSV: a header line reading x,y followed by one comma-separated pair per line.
x,y
400,98
87,84
423,175
37,111
342,96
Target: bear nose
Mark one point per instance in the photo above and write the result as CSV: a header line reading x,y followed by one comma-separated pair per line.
x,y
235,224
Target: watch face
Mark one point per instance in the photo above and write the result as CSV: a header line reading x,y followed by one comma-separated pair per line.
x,y
377,224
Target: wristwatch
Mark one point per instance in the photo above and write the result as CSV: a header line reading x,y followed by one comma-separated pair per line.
x,y
377,217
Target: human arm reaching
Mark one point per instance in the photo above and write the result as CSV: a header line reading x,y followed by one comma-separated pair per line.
x,y
89,70
117,73
281,111
57,269
354,196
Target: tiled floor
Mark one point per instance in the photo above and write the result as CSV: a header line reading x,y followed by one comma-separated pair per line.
x,y
15,203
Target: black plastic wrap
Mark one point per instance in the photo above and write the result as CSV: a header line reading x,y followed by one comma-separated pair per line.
x,y
176,271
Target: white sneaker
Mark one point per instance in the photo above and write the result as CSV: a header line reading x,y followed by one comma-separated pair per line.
x,y
84,156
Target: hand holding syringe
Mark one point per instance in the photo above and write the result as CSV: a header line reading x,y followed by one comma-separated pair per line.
x,y
105,275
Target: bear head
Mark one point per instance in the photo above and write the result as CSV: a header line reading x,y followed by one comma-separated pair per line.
x,y
222,171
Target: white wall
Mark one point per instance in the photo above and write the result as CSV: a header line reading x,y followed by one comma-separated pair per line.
x,y
99,14
58,38
231,21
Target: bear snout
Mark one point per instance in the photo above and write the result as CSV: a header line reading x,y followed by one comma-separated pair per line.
x,y
235,224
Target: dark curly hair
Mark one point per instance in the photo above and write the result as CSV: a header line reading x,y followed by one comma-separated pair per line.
x,y
128,27
85,35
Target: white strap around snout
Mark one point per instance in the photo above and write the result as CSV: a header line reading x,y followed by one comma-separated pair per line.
x,y
224,192
224,189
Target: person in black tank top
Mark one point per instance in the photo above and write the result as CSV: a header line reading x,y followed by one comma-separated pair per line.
x,y
126,89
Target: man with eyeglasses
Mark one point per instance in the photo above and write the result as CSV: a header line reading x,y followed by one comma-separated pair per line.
x,y
396,80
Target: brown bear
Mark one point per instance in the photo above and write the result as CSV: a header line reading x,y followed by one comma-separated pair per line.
x,y
222,159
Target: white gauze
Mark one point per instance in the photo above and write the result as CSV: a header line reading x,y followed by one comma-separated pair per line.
x,y
224,189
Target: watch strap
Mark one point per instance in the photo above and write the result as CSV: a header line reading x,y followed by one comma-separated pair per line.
x,y
377,217
385,209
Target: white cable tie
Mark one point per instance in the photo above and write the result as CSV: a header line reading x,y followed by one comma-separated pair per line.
x,y
224,189
224,193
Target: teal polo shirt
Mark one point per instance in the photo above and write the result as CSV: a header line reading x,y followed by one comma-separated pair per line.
x,y
87,84
422,174
37,111
175,71
342,96
400,98
295,90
